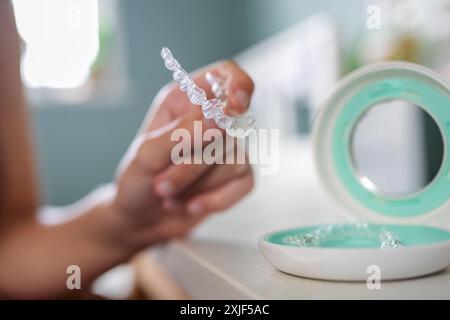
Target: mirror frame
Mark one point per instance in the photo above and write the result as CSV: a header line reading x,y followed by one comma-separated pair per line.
x,y
386,79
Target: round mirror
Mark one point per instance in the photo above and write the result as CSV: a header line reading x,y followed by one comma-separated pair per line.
x,y
397,148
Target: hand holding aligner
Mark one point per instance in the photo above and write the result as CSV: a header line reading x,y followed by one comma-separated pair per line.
x,y
236,126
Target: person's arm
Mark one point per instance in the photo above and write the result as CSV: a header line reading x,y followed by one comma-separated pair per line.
x,y
153,200
18,183
33,258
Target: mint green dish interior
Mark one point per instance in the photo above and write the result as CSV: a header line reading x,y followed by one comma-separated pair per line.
x,y
410,235
433,100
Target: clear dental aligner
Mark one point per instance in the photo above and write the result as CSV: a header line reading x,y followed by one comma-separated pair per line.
x,y
236,126
333,232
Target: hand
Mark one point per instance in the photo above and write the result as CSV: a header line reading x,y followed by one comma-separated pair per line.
x,y
161,200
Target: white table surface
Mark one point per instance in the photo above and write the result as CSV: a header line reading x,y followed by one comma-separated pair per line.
x,y
221,259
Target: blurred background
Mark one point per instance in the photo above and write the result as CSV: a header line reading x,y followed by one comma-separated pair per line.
x,y
92,68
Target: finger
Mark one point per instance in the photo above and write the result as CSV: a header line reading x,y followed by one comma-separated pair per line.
x,y
174,102
221,198
217,176
174,226
176,178
156,149
238,84
214,178
169,103
234,163
173,206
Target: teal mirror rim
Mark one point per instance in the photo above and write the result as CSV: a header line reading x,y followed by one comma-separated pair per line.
x,y
433,101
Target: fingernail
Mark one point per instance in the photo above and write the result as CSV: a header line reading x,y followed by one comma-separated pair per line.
x,y
195,208
242,98
165,188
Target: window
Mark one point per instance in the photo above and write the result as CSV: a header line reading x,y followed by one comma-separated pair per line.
x,y
62,41
68,46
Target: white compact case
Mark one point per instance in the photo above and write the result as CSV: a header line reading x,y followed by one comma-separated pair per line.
x,y
419,219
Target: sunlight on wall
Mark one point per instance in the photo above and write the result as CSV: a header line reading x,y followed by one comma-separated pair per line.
x,y
62,41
